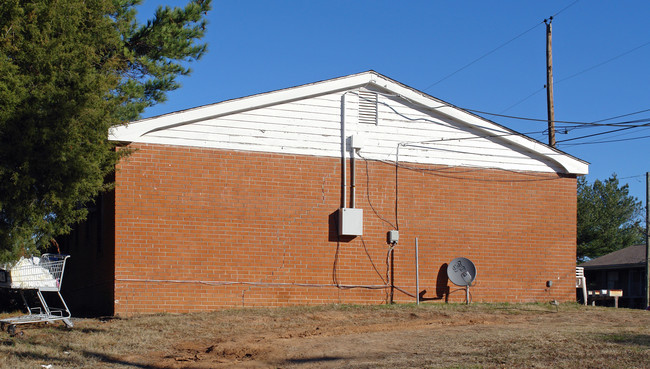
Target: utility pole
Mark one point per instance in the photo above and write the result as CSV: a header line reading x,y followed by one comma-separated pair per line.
x,y
647,240
549,83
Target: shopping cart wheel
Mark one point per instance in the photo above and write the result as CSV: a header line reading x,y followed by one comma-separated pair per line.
x,y
68,323
12,331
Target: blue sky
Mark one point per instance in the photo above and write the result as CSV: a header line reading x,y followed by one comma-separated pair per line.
x,y
481,55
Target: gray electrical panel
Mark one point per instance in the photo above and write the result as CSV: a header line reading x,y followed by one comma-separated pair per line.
x,y
350,222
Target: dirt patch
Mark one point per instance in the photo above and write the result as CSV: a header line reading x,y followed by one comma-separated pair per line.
x,y
404,336
417,337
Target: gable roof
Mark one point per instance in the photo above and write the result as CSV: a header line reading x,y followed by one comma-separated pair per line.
x,y
138,130
629,257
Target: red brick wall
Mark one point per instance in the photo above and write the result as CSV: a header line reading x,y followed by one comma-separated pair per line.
x,y
199,229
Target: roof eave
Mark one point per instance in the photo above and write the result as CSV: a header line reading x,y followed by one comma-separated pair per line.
x,y
133,131
615,266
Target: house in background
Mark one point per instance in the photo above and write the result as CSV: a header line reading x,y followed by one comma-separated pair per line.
x,y
287,198
620,270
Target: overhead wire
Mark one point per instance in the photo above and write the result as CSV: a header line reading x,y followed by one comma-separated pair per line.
x,y
623,115
603,133
502,131
368,194
482,56
576,74
522,100
572,125
374,267
497,48
454,174
634,176
596,123
608,141
506,132
510,133
603,63
565,8
640,123
577,124
629,124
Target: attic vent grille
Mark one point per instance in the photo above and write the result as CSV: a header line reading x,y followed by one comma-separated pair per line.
x,y
367,107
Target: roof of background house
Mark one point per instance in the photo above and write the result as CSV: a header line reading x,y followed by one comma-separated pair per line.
x,y
632,256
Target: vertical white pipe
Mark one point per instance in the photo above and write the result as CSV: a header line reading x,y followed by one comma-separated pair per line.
x,y
417,273
353,185
344,183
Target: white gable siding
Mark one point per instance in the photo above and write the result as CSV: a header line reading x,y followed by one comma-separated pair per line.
x,y
304,127
427,137
312,126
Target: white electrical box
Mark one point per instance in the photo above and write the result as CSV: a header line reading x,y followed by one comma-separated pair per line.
x,y
356,142
393,236
350,222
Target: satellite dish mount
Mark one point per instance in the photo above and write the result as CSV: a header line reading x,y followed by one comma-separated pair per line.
x,y
462,272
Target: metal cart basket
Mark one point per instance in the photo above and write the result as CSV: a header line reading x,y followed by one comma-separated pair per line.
x,y
43,275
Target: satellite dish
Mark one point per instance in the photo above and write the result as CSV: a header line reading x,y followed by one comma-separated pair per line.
x,y
461,271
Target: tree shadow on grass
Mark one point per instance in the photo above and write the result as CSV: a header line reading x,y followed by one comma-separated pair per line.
x,y
312,360
109,359
89,358
628,339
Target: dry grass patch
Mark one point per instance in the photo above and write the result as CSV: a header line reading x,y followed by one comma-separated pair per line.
x,y
425,336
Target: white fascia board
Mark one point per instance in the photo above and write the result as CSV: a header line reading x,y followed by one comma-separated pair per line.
x,y
134,130
570,164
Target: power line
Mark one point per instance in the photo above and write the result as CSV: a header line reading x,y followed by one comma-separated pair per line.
x,y
498,47
624,115
565,8
604,133
629,123
645,121
513,133
629,133
636,176
522,100
483,56
608,141
605,62
596,123
576,74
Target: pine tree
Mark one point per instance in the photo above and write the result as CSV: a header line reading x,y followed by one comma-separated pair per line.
x,y
69,70
609,218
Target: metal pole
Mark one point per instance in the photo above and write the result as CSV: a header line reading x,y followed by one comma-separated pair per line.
x,y
417,273
647,240
392,273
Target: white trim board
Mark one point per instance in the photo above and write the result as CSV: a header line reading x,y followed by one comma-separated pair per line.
x,y
310,115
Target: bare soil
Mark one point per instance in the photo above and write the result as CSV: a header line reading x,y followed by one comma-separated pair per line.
x,y
397,336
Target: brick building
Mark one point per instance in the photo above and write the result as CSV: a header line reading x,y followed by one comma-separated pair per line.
x,y
237,204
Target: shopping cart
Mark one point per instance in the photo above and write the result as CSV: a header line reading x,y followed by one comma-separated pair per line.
x,y
44,275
